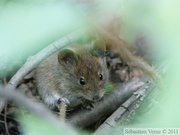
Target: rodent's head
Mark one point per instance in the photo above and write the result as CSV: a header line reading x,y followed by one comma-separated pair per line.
x,y
85,71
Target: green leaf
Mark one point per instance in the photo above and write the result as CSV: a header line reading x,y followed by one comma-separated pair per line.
x,y
109,87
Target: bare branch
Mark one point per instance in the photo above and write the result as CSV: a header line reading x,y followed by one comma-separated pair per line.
x,y
110,103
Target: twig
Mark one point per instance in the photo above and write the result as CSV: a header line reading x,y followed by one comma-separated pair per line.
x,y
33,61
8,117
110,103
2,121
129,115
5,120
62,109
144,94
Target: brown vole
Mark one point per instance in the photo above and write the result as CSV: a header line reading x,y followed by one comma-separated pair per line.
x,y
76,73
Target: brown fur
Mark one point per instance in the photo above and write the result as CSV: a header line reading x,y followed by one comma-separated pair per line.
x,y
58,76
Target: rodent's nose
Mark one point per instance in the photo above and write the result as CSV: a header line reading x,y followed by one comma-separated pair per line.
x,y
96,98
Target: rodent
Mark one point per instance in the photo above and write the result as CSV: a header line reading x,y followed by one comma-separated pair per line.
x,y
77,73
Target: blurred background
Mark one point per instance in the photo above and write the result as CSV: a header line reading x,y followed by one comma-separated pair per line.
x,y
27,26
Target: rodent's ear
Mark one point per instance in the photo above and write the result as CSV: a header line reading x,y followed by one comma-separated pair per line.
x,y
99,47
67,56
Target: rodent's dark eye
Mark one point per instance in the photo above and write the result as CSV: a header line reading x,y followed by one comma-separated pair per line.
x,y
100,76
82,81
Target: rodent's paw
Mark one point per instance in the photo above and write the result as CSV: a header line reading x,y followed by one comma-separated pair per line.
x,y
88,105
64,100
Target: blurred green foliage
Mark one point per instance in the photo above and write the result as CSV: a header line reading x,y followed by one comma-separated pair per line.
x,y
161,19
31,125
26,26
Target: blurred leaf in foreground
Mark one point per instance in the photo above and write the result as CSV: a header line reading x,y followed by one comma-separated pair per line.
x,y
31,125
